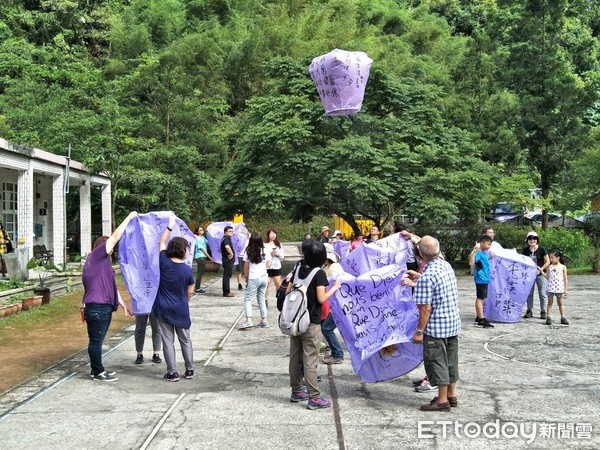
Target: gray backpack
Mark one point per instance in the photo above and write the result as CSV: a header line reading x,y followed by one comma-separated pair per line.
x,y
295,318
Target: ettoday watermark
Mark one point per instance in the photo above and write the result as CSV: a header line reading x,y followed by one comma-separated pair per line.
x,y
528,431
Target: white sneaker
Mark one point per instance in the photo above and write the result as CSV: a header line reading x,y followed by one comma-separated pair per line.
x,y
426,387
246,324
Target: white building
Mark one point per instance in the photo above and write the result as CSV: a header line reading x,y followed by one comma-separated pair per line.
x,y
32,202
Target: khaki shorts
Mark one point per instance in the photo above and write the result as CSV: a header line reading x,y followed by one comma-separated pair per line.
x,y
440,356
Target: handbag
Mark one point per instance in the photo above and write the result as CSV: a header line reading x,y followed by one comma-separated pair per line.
x,y
9,247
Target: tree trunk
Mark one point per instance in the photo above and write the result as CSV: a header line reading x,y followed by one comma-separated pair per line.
x,y
545,178
349,218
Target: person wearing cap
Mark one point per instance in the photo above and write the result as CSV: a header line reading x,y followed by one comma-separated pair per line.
x,y
333,269
337,236
540,257
324,238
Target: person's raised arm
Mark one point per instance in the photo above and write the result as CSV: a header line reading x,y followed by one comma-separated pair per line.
x,y
114,238
162,245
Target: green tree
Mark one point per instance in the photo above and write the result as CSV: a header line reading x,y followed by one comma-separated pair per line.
x,y
553,93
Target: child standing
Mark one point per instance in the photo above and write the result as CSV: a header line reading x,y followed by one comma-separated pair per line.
x,y
481,270
557,285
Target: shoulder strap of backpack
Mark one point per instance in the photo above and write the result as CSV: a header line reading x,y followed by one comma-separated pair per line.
x,y
306,282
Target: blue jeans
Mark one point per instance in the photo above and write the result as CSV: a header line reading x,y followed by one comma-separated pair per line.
x,y
97,317
256,287
328,329
541,283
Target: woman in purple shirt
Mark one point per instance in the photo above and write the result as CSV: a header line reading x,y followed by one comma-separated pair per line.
x,y
101,297
171,307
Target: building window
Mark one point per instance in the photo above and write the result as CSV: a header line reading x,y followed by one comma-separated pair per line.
x,y
9,209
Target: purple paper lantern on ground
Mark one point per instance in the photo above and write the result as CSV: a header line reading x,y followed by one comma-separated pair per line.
x,y
341,78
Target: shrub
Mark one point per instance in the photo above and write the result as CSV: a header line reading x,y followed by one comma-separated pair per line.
x,y
457,243
13,283
288,231
573,244
592,229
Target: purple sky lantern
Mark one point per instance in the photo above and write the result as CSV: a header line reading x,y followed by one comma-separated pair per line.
x,y
375,314
341,78
138,256
377,318
214,234
511,278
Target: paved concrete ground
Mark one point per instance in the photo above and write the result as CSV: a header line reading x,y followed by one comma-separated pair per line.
x,y
522,375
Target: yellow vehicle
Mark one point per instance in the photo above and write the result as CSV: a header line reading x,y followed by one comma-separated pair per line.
x,y
347,231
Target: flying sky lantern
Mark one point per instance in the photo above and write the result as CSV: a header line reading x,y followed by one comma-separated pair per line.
x,y
341,78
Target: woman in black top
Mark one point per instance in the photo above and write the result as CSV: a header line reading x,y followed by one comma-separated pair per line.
x,y
540,257
304,349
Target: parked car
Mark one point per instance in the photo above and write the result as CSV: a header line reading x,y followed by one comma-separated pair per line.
x,y
504,212
587,215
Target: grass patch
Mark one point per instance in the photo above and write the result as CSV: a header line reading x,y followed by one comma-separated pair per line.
x,y
580,270
58,307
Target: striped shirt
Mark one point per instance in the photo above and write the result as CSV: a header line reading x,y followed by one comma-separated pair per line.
x,y
437,287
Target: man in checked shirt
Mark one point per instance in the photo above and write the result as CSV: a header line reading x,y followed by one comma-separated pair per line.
x,y
436,296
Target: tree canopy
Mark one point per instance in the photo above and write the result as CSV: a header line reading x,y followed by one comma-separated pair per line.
x,y
206,107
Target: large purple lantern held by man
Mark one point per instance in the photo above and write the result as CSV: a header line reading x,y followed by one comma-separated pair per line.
x,y
341,78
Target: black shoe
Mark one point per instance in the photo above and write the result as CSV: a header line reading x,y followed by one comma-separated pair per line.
x,y
487,324
564,321
171,376
139,359
542,314
110,373
201,291
548,321
240,288
156,359
484,323
528,314
105,376
197,291
189,374
416,383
